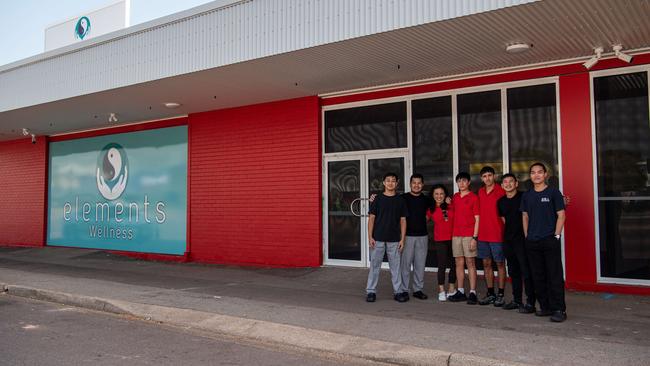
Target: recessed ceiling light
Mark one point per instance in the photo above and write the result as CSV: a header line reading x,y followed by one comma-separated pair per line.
x,y
172,105
518,47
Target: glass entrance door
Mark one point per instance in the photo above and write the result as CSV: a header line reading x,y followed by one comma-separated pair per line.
x,y
350,180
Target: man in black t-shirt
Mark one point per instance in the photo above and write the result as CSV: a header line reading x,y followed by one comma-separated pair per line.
x,y
417,238
514,246
386,233
543,218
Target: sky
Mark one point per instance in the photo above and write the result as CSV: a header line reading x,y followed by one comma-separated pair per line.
x,y
23,23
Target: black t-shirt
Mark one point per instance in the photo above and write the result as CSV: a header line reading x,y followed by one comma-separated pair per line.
x,y
542,208
388,211
509,209
416,222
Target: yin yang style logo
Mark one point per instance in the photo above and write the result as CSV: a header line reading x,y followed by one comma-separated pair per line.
x,y
82,28
112,171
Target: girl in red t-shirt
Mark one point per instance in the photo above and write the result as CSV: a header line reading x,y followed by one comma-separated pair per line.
x,y
442,215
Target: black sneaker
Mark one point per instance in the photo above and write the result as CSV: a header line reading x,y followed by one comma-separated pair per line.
x,y
420,295
371,297
400,297
558,316
457,297
405,295
543,313
500,301
512,305
487,300
527,309
472,299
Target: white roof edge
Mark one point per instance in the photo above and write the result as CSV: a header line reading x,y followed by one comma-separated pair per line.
x,y
141,27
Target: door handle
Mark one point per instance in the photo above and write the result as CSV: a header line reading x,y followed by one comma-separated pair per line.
x,y
352,207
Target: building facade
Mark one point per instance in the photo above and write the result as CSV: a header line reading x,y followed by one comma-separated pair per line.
x,y
253,132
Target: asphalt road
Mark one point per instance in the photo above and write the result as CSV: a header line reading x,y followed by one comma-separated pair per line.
x,y
39,333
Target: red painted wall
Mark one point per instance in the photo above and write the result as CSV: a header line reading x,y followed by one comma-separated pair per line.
x,y
255,184
580,228
23,177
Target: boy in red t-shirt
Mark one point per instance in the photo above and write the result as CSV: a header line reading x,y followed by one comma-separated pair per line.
x,y
465,235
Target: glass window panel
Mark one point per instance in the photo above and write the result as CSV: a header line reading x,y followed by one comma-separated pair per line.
x,y
432,141
622,135
479,133
366,128
344,228
532,132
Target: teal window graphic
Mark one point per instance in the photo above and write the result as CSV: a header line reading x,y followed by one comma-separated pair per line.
x,y
124,192
82,28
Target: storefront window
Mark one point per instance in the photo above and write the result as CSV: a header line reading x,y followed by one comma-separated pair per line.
x,y
366,128
532,132
479,133
623,153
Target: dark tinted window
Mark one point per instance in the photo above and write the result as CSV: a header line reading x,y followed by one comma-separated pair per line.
x,y
622,138
479,133
532,132
366,128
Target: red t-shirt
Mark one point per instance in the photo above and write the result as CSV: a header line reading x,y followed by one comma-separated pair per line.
x,y
490,227
465,209
441,228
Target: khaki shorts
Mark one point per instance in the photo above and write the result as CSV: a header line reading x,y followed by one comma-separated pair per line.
x,y
460,246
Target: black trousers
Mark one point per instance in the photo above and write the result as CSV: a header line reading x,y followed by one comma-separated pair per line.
x,y
445,260
545,259
519,270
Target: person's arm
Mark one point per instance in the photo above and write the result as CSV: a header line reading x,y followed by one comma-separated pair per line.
x,y
402,224
524,221
503,219
474,243
371,226
559,223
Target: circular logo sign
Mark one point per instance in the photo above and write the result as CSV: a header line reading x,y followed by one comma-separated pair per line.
x,y
82,28
112,171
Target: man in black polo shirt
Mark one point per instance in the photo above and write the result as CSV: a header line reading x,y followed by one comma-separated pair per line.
x,y
386,233
514,246
543,218
417,238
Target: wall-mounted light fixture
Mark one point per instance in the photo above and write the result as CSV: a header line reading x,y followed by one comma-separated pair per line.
x,y
598,53
621,56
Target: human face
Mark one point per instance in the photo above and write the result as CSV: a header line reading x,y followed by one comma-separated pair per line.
x,y
463,184
390,183
439,196
509,184
416,186
538,175
488,179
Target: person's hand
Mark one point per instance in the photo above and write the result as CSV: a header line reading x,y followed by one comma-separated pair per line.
x,y
372,243
448,200
472,245
401,245
567,200
372,197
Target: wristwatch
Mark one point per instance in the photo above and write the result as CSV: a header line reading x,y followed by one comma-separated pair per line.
x,y
557,236
475,238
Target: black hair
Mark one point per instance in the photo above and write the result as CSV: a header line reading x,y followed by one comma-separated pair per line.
x,y
509,175
539,165
390,174
486,169
443,205
463,175
417,176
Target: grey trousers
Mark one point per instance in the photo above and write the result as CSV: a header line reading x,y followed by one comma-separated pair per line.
x,y
414,254
377,257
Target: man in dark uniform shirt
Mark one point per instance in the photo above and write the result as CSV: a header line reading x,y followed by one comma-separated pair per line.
x,y
514,246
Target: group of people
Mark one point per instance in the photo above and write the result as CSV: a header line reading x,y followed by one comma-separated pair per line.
x,y
496,225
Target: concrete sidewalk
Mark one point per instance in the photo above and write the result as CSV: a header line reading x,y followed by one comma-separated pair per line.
x,y
324,310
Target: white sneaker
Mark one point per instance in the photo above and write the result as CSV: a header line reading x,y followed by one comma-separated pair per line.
x,y
442,296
